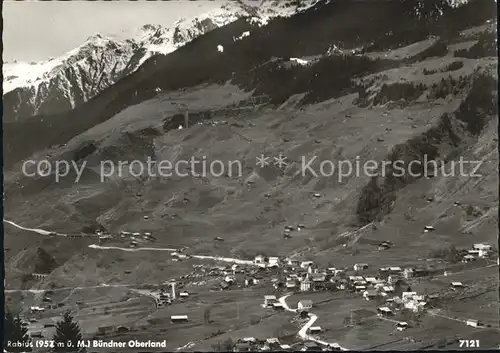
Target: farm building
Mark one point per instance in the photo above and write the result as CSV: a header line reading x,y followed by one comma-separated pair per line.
x,y
481,247
385,311
473,323
259,259
318,277
408,295
178,318
370,294
456,285
360,267
408,273
428,229
269,300
306,264
311,346
305,285
278,306
242,347
468,258
251,281
315,329
274,261
305,305
293,262
401,326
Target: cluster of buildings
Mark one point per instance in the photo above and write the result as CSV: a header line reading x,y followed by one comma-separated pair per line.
x,y
134,238
478,251
170,293
252,344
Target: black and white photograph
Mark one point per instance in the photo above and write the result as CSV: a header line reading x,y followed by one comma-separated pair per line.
x,y
250,176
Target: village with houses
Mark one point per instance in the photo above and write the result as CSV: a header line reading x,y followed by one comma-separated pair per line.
x,y
398,296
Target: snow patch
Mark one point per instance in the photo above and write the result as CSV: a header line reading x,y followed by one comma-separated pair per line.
x,y
243,35
299,61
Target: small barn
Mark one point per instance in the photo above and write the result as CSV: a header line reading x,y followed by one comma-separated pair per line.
x,y
179,318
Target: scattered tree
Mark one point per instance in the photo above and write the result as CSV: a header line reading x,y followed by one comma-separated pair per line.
x,y
226,346
45,263
15,330
206,315
67,334
449,254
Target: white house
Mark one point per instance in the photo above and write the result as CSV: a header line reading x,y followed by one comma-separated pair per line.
x,y
408,273
274,261
315,329
306,264
305,305
402,325
408,295
468,258
473,323
278,306
360,288
318,277
370,294
305,285
384,311
356,278
392,279
388,289
414,305
249,339
259,259
370,279
251,281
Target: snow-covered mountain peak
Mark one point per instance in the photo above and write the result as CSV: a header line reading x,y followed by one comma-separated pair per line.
x,y
100,61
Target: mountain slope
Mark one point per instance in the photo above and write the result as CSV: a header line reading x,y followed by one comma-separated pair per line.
x,y
395,88
329,23
60,84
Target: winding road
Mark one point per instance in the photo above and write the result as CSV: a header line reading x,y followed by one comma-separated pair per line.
x,y
36,230
303,331
99,247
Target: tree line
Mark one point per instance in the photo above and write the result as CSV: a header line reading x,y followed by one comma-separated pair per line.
x,y
17,339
